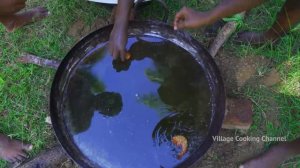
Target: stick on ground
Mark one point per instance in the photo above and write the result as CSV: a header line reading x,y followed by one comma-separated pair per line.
x,y
223,36
32,59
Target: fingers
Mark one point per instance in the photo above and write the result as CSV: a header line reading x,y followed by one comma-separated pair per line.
x,y
181,24
123,54
111,50
180,18
115,54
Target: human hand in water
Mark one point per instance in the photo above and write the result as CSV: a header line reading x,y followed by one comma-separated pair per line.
x,y
8,7
118,41
189,18
118,36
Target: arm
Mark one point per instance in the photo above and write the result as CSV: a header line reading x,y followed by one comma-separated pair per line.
x,y
230,7
118,36
188,18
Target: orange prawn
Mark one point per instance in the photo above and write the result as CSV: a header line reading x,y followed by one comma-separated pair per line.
x,y
128,56
180,141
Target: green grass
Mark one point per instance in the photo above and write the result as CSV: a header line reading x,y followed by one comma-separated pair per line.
x,y
24,89
286,58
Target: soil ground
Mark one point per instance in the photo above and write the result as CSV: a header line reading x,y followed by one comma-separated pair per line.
x,y
267,75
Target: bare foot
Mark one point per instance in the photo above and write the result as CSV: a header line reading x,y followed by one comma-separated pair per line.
x,y
266,160
13,150
18,20
254,38
271,158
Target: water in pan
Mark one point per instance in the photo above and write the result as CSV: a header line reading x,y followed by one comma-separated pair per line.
x,y
125,114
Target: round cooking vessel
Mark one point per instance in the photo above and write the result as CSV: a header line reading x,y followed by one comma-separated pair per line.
x,y
135,29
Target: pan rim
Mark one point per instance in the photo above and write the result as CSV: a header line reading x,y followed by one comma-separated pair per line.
x,y
212,74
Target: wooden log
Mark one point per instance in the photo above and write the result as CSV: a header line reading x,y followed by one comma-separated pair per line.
x,y
54,157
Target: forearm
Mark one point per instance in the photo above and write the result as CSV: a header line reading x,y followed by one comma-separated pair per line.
x,y
123,12
230,7
118,36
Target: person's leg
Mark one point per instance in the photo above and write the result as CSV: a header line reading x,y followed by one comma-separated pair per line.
x,y
15,21
13,150
286,19
275,156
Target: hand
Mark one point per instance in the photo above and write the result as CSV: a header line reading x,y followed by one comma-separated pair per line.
x,y
118,41
8,7
189,18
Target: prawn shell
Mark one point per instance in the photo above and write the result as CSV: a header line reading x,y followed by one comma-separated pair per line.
x,y
180,141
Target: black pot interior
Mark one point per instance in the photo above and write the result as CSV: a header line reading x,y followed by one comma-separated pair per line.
x,y
64,90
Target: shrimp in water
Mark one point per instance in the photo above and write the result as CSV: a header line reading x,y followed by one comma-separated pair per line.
x,y
180,141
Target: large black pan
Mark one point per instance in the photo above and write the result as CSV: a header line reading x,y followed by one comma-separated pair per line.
x,y
156,29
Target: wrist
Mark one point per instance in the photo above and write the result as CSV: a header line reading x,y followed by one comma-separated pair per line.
x,y
205,18
214,15
217,13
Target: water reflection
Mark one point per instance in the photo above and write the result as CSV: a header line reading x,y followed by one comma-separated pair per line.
x,y
124,114
176,79
94,99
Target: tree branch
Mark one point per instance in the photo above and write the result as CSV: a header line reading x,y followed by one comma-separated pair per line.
x,y
32,59
223,36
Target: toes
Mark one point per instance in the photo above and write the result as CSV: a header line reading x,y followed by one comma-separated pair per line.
x,y
253,38
12,160
40,12
20,158
19,146
23,154
39,9
43,11
34,14
244,38
7,159
27,147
